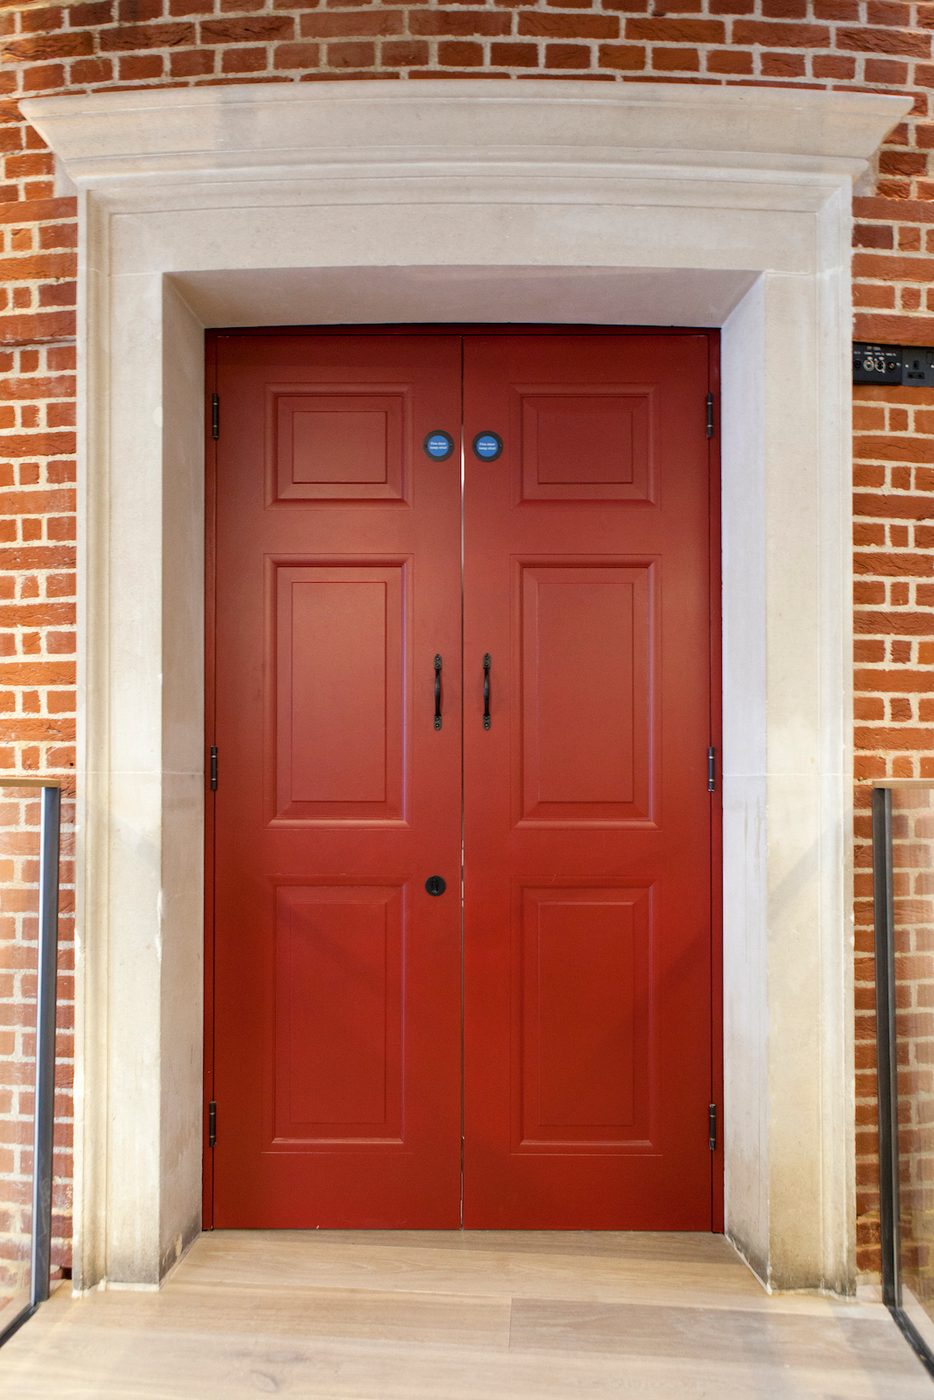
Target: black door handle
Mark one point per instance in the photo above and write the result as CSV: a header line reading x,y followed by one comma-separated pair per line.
x,y
437,692
487,663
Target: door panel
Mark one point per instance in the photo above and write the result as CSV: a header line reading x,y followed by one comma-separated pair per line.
x,y
333,447
586,811
338,1056
341,668
586,444
584,694
340,969
581,979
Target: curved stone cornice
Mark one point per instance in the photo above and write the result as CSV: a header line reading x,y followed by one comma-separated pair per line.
x,y
440,127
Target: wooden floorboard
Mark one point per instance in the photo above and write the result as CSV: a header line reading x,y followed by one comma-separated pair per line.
x,y
334,1315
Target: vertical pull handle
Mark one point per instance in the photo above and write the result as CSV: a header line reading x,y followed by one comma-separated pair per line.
x,y
437,692
487,663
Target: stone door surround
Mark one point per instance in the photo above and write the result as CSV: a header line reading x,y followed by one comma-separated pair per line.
x,y
477,200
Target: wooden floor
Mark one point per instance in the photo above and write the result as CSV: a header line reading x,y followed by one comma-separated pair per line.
x,y
399,1316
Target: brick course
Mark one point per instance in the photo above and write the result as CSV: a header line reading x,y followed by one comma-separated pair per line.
x,y
881,45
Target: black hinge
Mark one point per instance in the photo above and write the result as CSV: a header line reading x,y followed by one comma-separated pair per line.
x,y
216,416
709,416
212,1123
712,1127
711,769
213,769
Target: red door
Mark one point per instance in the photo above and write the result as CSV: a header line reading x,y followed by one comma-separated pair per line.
x,y
587,821
338,977
586,947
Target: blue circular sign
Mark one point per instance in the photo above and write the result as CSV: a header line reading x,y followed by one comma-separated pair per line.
x,y
487,446
439,446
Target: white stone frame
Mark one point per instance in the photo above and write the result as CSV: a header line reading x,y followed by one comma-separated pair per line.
x,y
544,201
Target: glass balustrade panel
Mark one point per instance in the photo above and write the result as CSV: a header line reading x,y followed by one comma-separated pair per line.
x,y
19,950
913,886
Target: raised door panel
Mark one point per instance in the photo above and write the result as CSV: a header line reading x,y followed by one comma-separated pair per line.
x,y
339,699
329,445
589,443
335,1036
585,707
583,994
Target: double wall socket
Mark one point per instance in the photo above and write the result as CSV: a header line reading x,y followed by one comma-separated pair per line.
x,y
917,365
911,365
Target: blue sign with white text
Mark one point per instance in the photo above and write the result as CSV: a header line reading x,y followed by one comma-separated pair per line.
x,y
487,446
439,446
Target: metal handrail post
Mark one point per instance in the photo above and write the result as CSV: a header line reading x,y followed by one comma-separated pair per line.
x,y
50,841
884,926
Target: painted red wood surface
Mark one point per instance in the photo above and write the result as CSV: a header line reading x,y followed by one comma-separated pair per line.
x,y
586,812
338,998
587,822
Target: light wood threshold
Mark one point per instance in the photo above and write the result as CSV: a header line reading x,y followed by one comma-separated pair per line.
x,y
400,1315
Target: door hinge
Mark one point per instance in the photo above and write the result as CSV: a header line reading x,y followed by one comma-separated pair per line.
x,y
212,1123
213,768
711,769
712,1127
216,416
709,416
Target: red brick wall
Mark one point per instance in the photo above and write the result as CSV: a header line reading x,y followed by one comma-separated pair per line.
x,y
894,655
883,45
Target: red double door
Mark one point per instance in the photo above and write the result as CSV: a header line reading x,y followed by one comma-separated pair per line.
x,y
487,669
